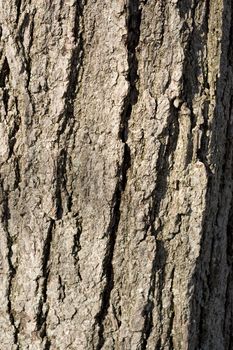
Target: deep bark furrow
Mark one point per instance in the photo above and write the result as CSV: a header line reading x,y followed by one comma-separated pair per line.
x,y
133,35
148,308
67,119
77,246
190,66
166,153
13,136
163,168
41,314
28,22
111,234
4,76
4,73
219,190
18,8
76,63
29,49
202,151
12,271
228,318
172,314
60,183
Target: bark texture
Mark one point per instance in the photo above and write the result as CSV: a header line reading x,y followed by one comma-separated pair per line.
x,y
116,214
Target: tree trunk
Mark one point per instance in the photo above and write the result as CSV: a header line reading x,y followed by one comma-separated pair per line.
x,y
116,213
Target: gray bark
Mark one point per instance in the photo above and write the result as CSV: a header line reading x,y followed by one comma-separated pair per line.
x,y
116,211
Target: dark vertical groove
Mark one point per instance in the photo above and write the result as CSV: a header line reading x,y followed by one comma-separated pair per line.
x,y
172,316
209,265
4,74
191,65
62,289
213,265
163,165
76,64
68,118
18,8
5,218
133,25
17,173
196,41
228,318
77,246
206,28
28,22
61,179
230,50
111,233
61,186
12,135
202,151
41,315
158,270
133,35
29,49
47,345
12,141
171,134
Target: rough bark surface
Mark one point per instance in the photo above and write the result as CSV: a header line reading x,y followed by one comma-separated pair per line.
x,y
116,209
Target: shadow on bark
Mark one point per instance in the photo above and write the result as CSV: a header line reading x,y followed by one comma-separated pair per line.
x,y
210,324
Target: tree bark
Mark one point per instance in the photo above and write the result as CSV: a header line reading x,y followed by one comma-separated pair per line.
x,y
116,213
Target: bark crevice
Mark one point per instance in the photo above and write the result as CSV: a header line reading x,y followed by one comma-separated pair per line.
x,y
210,265
76,64
12,270
77,245
133,35
4,76
18,9
111,233
42,311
